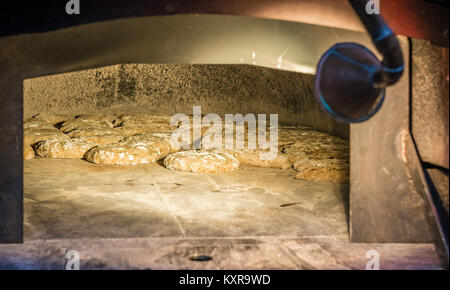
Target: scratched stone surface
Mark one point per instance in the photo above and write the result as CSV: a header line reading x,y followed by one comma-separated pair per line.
x,y
76,199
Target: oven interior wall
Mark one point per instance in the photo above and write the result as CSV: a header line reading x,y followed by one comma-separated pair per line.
x,y
171,89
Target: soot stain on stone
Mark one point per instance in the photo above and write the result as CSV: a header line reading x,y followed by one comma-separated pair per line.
x,y
126,87
107,84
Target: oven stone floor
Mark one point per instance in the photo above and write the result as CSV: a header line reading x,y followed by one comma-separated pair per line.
x,y
77,199
147,216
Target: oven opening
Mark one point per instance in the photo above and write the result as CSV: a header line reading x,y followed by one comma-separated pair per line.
x,y
99,161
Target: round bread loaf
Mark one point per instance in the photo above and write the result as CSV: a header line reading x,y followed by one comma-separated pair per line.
x,y
63,148
137,149
332,170
32,137
201,162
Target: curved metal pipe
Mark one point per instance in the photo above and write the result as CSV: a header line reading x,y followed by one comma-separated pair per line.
x,y
350,81
386,43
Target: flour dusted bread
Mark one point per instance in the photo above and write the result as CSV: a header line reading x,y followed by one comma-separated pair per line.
x,y
251,157
327,161
31,137
143,123
333,170
33,124
120,154
128,131
291,134
201,162
89,131
316,156
317,151
63,148
28,152
75,124
138,149
133,129
98,117
101,139
159,142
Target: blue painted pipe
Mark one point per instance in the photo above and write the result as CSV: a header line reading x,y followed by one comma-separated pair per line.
x,y
386,43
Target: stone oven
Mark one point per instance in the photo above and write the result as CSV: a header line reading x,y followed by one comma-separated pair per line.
x,y
333,188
